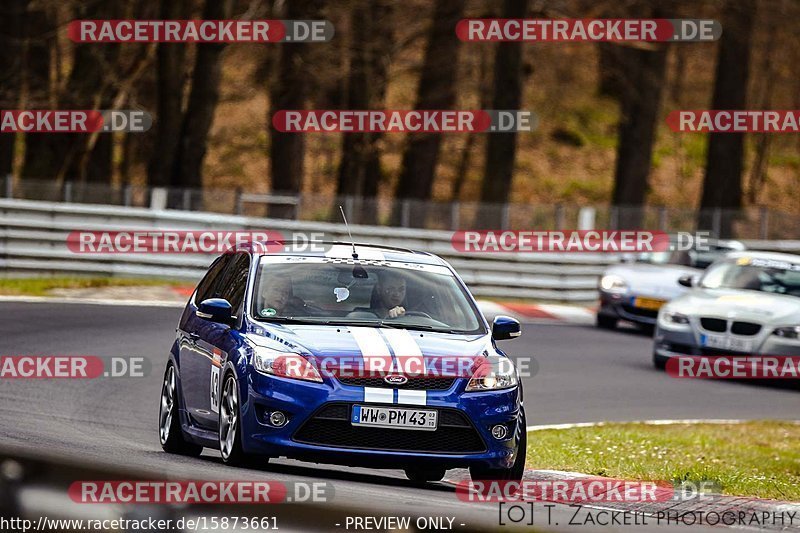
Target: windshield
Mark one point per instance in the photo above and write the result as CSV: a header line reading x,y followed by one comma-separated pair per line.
x,y
765,275
320,290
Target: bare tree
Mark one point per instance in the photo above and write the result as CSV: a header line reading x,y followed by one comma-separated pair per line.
x,y
437,86
171,74
11,14
371,48
501,149
722,186
202,103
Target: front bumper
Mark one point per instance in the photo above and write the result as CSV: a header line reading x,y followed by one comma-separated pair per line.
x,y
620,306
319,426
672,342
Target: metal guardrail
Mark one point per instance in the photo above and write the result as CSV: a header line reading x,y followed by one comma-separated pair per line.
x,y
33,239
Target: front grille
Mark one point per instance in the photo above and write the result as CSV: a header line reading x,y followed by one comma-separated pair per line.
x,y
745,328
638,311
330,426
714,324
422,383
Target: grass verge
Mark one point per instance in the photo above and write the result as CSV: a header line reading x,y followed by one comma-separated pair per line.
x,y
43,286
758,459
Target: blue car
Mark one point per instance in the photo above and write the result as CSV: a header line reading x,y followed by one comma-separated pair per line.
x,y
266,365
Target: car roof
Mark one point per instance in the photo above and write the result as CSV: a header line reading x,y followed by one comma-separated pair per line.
x,y
340,250
774,256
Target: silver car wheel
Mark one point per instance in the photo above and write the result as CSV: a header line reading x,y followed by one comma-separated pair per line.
x,y
167,410
228,417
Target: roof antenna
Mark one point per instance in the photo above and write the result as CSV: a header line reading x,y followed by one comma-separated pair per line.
x,y
352,242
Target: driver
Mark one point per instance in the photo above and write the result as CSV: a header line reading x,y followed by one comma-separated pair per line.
x,y
277,297
390,293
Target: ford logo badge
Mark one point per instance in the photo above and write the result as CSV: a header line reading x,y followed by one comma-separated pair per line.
x,y
396,379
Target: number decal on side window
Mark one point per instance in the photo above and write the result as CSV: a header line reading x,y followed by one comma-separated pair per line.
x,y
215,388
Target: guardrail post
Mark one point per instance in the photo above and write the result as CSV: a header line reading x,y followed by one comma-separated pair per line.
x,y
239,201
662,218
763,226
559,216
187,200
297,207
505,217
158,198
127,195
405,214
455,215
9,186
586,218
67,192
716,224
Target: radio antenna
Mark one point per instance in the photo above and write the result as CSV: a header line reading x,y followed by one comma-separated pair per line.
x,y
346,225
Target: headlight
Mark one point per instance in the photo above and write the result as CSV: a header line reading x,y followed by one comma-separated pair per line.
x,y
789,332
612,283
671,317
284,364
494,374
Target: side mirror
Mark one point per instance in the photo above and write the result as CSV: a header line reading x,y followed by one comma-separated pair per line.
x,y
687,280
505,327
215,310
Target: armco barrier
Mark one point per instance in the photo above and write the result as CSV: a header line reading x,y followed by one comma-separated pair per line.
x,y
33,241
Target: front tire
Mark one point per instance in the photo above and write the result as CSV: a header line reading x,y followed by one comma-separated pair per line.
x,y
514,473
659,362
230,427
169,424
606,322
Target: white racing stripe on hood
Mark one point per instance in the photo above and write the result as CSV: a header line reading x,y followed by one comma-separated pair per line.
x,y
376,395
404,345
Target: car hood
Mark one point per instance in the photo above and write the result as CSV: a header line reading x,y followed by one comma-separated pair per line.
x,y
659,281
760,307
354,341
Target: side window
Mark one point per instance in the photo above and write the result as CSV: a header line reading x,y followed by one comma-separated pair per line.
x,y
234,282
206,286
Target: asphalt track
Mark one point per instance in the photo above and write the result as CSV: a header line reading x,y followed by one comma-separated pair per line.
x,y
583,375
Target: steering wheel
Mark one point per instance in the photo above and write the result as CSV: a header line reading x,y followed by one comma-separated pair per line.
x,y
418,313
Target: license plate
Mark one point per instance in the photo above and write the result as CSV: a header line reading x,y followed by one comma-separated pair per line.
x,y
648,303
725,342
391,417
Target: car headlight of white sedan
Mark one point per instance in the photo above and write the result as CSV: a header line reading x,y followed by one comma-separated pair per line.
x,y
613,283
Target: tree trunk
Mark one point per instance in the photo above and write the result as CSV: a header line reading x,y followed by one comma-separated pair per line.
x,y
436,90
11,16
502,147
39,28
371,47
169,109
641,100
289,92
722,186
203,100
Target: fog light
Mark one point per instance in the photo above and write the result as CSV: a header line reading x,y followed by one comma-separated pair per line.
x,y
499,432
277,419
